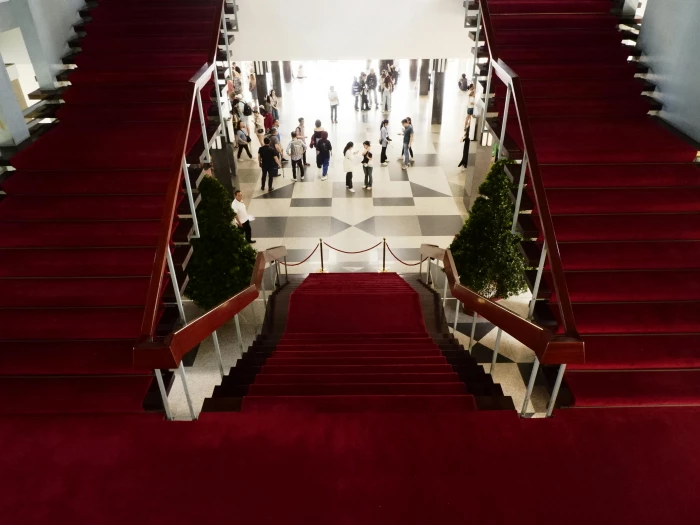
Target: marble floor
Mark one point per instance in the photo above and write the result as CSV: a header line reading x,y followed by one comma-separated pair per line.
x,y
426,203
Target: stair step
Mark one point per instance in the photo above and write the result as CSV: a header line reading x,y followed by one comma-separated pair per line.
x,y
271,369
624,200
525,22
628,227
635,176
497,7
280,379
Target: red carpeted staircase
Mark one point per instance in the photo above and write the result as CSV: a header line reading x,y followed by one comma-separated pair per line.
x,y
624,194
356,343
85,211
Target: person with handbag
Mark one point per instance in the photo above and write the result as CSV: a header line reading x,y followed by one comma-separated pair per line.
x,y
259,125
243,141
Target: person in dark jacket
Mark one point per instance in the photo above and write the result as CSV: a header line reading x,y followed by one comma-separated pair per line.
x,y
324,149
318,130
372,87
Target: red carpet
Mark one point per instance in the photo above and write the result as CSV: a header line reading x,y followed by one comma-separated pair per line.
x,y
615,466
623,191
81,220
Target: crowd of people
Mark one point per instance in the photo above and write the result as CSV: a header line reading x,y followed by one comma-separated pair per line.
x,y
365,89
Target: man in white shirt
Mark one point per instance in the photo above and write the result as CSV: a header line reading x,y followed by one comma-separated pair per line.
x,y
333,99
242,217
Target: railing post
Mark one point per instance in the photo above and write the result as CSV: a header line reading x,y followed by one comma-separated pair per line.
x,y
286,271
183,377
555,391
504,125
486,98
427,271
444,290
190,197
420,266
475,316
225,33
530,386
262,287
272,278
238,332
205,136
519,197
476,40
538,279
217,89
215,338
320,245
384,254
176,287
495,350
454,328
163,395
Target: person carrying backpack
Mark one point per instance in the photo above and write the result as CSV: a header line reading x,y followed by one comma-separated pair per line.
x,y
324,150
296,151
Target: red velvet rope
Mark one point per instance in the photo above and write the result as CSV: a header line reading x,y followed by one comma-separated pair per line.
x,y
402,262
351,253
302,262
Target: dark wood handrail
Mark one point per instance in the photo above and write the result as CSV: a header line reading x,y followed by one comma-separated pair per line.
x,y
169,353
510,78
549,348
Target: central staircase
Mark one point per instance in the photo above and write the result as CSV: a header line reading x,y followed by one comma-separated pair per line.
x,y
356,343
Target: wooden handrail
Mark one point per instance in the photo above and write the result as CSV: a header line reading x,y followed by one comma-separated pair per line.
x,y
169,353
550,349
510,78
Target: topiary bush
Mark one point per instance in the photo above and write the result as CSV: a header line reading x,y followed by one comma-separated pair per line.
x,y
485,251
222,261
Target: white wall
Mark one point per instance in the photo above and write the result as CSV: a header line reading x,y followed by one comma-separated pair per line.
x,y
350,29
671,40
53,20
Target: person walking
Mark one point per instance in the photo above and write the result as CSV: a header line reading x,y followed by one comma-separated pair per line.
x,y
243,140
269,162
384,140
301,135
387,89
470,105
349,161
410,149
333,99
364,92
242,217
367,165
259,125
272,98
324,150
372,87
356,92
407,140
252,83
296,150
269,120
465,151
315,138
237,83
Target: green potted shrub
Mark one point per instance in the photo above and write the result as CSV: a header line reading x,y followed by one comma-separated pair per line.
x,y
485,251
222,261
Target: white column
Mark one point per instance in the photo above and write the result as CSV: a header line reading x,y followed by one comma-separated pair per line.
x,y
24,18
10,113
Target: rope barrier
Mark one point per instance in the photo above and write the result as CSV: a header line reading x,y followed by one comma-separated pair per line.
x,y
402,262
302,262
351,253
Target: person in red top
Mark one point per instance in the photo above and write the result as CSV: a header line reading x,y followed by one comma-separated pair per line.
x,y
269,119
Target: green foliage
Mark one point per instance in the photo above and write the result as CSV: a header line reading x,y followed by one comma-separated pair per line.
x,y
222,261
485,251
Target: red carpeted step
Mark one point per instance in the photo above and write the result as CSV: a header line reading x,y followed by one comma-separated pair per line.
x,y
563,37
627,200
640,351
619,175
358,403
660,285
79,262
130,112
129,94
377,344
70,323
628,227
607,389
130,182
269,369
81,292
131,62
148,12
611,68
580,107
320,337
274,379
290,354
677,317
156,43
121,30
630,255
113,76
107,148
335,361
548,6
84,207
357,389
594,87
67,357
552,21
79,234
73,394
555,53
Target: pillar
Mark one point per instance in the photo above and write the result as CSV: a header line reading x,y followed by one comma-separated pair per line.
x,y
287,69
261,69
439,66
413,70
424,87
276,78
10,113
24,18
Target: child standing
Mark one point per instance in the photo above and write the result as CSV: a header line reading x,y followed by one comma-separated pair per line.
x,y
367,165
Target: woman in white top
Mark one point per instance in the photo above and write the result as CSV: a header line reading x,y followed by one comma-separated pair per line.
x,y
384,140
470,105
273,104
259,125
348,163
